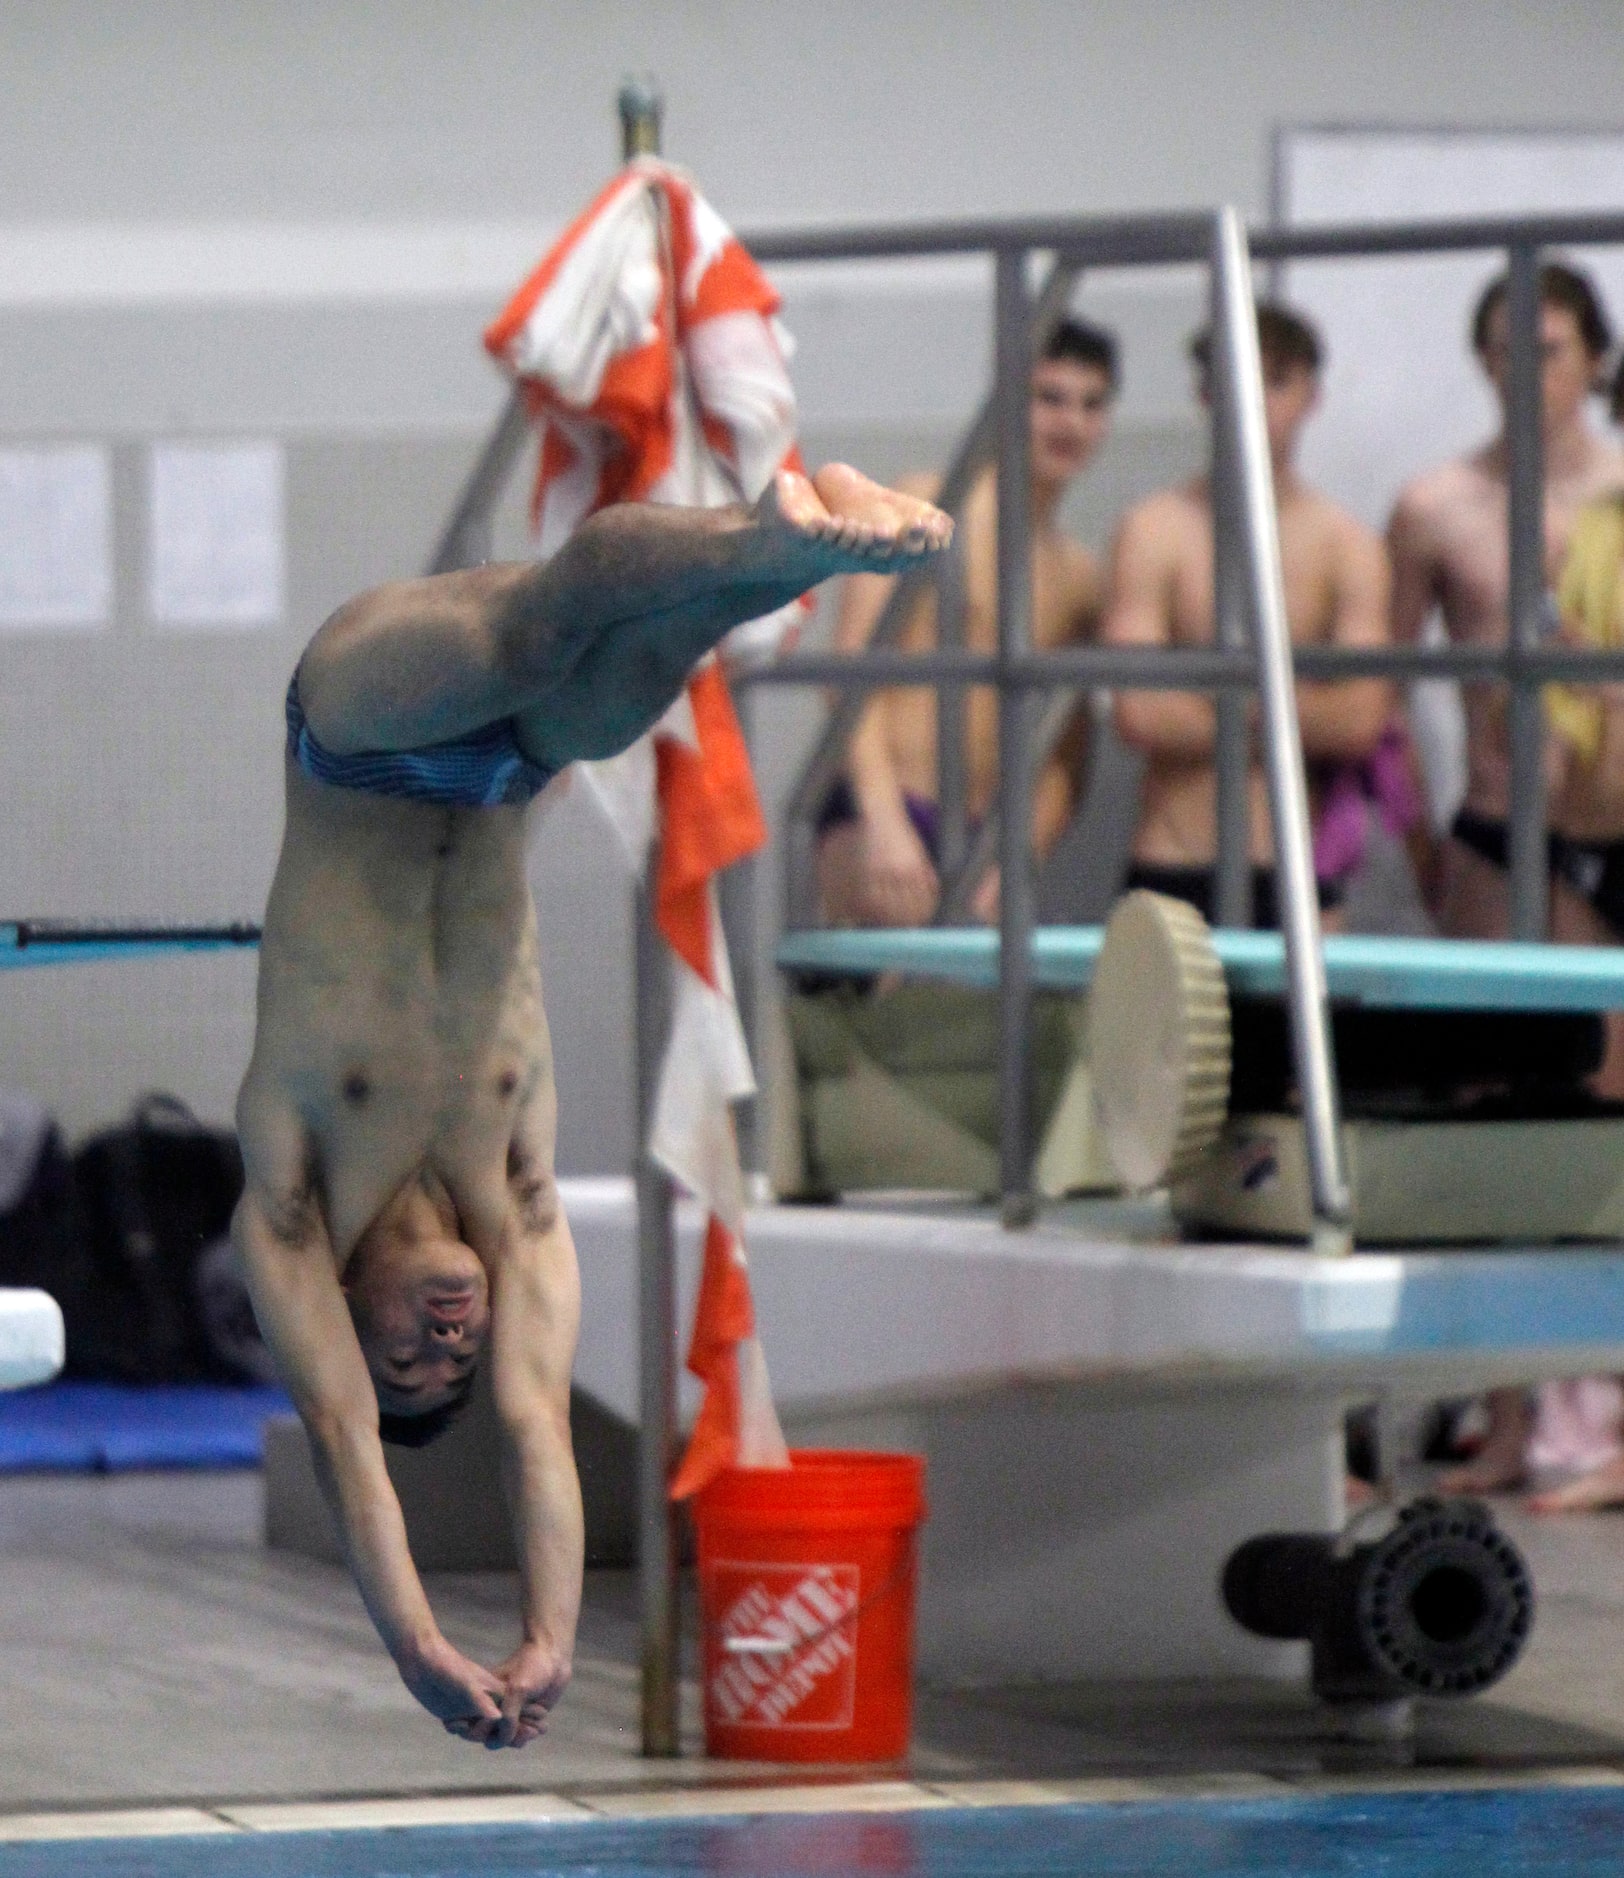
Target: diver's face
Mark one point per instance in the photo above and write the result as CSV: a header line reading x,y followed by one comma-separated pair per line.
x,y
1071,413
1567,371
421,1309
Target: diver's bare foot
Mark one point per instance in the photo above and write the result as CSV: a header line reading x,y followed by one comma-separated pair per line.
x,y
1590,1493
840,522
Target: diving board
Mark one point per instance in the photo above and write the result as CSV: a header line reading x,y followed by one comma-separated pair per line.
x,y
82,942
1360,968
32,1339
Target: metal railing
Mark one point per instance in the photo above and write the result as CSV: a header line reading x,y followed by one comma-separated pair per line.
x,y
1251,613
1241,658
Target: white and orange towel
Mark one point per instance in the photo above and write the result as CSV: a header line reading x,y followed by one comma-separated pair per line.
x,y
647,348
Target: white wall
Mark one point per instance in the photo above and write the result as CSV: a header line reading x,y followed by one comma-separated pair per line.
x,y
292,218
138,109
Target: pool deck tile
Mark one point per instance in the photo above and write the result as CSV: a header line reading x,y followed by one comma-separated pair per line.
x,y
1458,1779
145,1822
863,1796
471,1809
1103,1790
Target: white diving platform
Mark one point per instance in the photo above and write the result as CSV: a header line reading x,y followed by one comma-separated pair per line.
x,y
31,1338
1105,1416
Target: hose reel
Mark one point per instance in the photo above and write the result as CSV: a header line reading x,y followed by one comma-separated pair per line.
x,y
1441,1605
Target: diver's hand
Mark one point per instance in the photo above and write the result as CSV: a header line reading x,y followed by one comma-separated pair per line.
x,y
453,1688
532,1679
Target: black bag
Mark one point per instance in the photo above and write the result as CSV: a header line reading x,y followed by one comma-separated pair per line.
x,y
151,1198
38,1239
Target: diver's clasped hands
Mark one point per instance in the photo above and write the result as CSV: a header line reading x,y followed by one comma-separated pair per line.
x,y
502,1708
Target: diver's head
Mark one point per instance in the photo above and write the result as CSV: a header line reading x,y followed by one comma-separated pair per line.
x,y
420,1304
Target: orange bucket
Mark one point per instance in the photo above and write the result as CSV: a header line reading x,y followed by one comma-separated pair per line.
x,y
807,1577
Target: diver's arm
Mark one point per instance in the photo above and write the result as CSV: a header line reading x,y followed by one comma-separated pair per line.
x,y
303,1317
535,1319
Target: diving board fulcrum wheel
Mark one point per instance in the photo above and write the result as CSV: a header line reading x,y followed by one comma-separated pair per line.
x,y
1159,1040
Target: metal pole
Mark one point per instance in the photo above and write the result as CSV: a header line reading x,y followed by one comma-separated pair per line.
x,y
1190,668
466,541
657,1551
736,890
1525,439
821,767
657,1366
952,770
641,110
982,850
1232,755
1282,747
1013,401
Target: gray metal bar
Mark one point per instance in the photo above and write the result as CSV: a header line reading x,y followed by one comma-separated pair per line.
x,y
822,766
642,108
1150,668
1525,606
1543,662
959,890
1236,334
800,877
1158,240
1329,241
657,1554
1232,753
466,541
1125,240
1013,398
736,899
952,711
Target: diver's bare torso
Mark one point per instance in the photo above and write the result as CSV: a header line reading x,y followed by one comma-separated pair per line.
x,y
401,1040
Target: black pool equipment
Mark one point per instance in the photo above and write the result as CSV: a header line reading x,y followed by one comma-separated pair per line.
x,y
1440,1605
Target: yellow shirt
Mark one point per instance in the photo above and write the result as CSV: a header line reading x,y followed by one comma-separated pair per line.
x,y
1591,599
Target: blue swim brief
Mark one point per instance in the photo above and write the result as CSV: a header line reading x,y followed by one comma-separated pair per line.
x,y
482,770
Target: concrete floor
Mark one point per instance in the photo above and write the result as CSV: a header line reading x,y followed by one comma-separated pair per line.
x,y
152,1651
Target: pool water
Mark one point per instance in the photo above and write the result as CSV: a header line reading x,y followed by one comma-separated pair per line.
x,y
1533,1833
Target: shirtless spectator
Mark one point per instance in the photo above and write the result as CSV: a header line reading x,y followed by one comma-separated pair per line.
x,y
1450,548
1161,593
1450,544
879,848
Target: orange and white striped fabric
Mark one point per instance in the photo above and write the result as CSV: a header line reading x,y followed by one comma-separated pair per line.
x,y
648,352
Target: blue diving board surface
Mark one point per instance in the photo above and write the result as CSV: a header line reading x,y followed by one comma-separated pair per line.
x,y
1360,968
80,942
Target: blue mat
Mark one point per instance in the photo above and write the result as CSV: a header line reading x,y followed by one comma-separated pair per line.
x,y
1546,1833
104,1428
